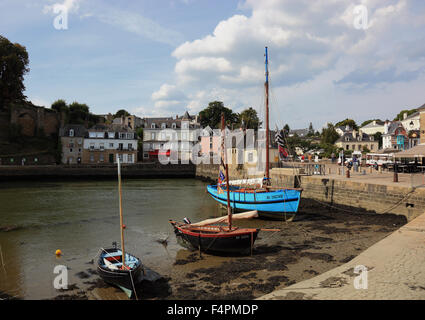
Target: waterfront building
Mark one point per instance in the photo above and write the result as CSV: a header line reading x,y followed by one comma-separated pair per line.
x,y
341,130
373,127
412,122
72,140
105,143
395,136
160,133
357,141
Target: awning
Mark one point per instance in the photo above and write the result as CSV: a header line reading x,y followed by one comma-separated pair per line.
x,y
415,152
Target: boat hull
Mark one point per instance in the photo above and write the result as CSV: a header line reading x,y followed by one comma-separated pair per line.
x,y
125,279
272,204
239,242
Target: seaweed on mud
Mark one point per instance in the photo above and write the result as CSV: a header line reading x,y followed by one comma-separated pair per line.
x,y
313,272
318,256
347,259
333,282
191,258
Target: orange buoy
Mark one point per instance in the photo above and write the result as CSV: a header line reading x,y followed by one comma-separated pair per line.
x,y
58,252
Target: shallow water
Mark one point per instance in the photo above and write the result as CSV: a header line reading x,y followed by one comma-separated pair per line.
x,y
79,218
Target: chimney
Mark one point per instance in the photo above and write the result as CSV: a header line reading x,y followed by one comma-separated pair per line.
x,y
374,122
404,116
177,116
386,125
354,133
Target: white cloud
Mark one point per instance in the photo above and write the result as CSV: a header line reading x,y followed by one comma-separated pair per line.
x,y
312,45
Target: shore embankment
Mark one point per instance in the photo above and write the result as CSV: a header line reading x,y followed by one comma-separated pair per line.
x,y
391,269
63,172
371,190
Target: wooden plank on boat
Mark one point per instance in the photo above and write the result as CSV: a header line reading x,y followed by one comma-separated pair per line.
x,y
239,216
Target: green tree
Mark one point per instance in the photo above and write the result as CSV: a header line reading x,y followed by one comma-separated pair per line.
x,y
250,119
211,115
310,130
78,113
401,114
60,105
13,66
329,135
349,122
121,113
286,129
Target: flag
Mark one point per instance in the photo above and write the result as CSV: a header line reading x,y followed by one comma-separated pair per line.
x,y
221,179
283,152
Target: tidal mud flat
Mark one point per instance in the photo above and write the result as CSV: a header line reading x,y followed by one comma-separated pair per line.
x,y
316,241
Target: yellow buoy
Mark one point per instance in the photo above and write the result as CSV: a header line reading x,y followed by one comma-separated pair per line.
x,y
58,252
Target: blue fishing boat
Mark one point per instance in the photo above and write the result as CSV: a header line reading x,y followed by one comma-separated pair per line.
x,y
267,203
270,202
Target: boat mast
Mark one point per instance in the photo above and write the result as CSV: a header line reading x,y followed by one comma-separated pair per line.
x,y
223,133
266,86
121,218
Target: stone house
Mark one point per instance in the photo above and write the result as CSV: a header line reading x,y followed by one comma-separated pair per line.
x,y
356,141
105,143
72,141
163,134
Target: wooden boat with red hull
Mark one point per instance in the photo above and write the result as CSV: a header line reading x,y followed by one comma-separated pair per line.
x,y
215,239
207,236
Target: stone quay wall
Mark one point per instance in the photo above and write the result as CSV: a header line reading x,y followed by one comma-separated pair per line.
x,y
143,170
343,194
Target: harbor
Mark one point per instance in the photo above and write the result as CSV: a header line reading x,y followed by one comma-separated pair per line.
x,y
76,216
191,151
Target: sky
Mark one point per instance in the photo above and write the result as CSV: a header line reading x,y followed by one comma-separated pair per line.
x,y
328,59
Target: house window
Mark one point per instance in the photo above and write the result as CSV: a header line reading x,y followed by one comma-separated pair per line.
x,y
173,126
130,158
92,158
250,157
152,136
91,146
120,146
70,150
146,155
347,147
119,156
185,125
371,147
80,141
71,132
153,125
102,146
101,157
130,146
353,147
111,145
163,126
111,135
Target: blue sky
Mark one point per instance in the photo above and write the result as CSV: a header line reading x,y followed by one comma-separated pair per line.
x,y
161,58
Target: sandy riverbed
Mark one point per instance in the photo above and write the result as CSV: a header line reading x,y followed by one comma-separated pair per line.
x,y
309,245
